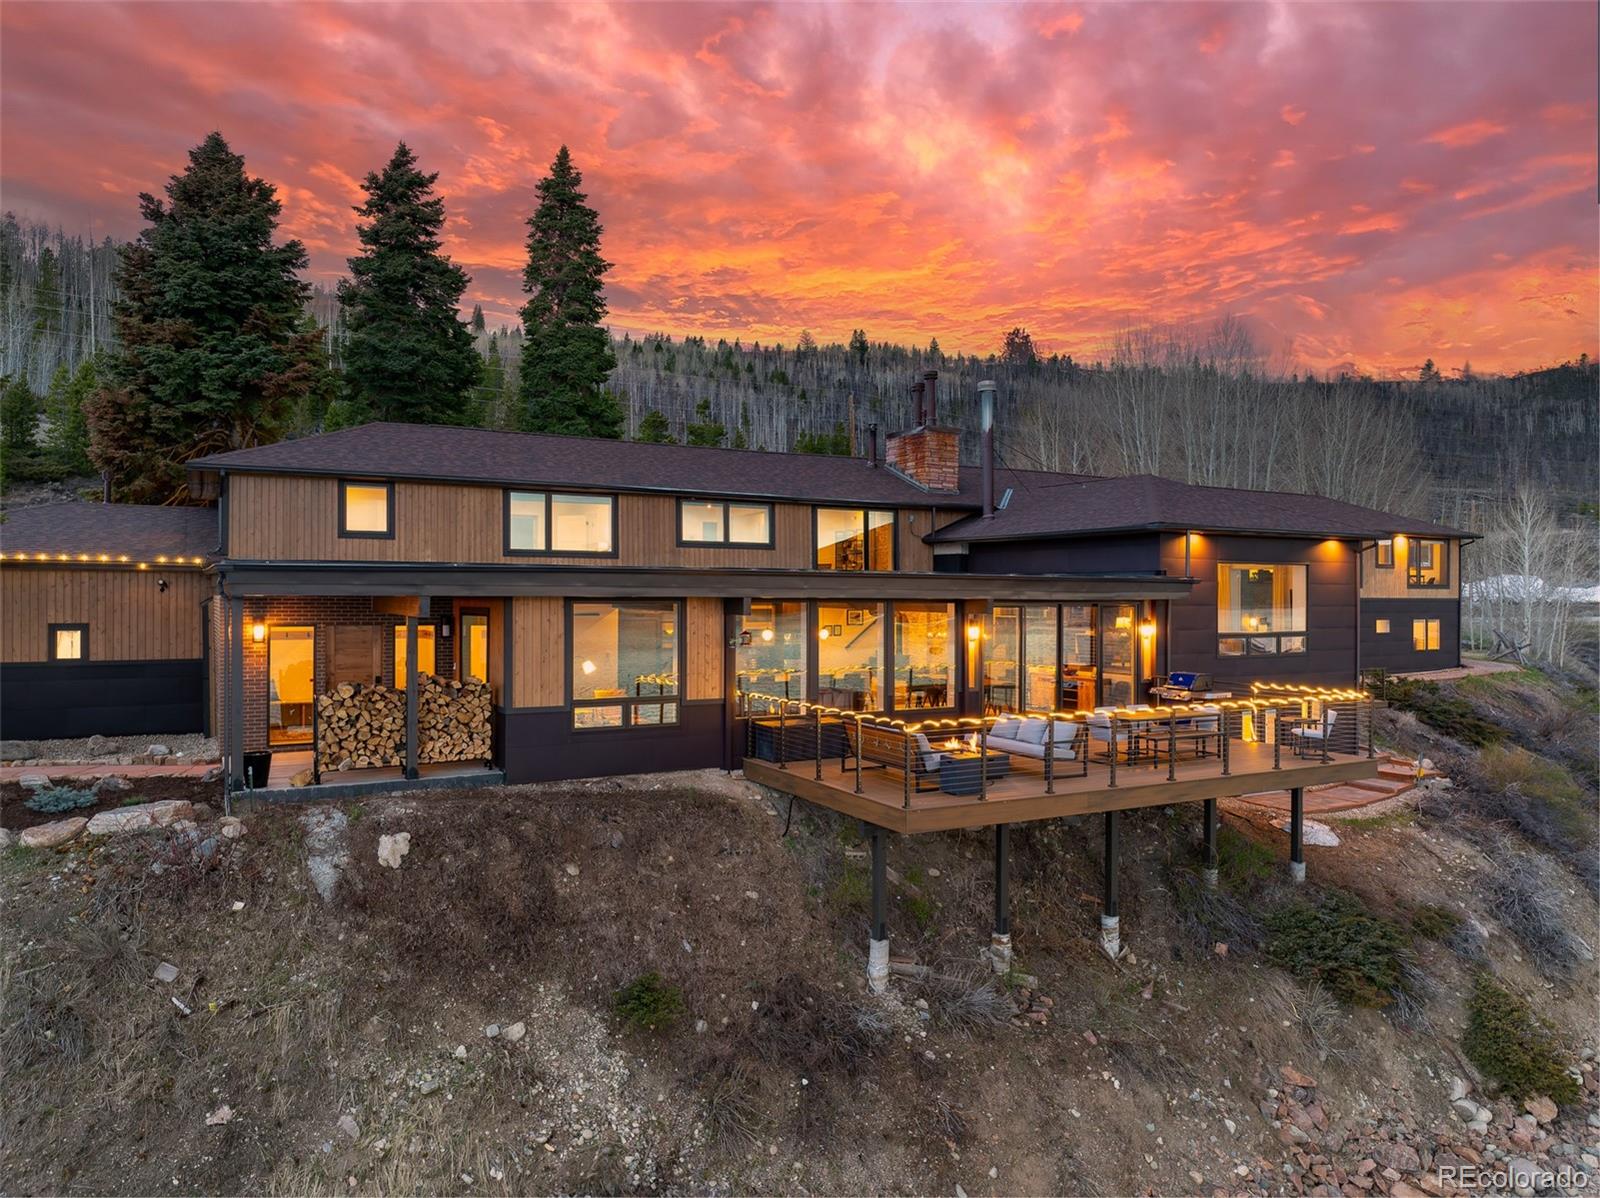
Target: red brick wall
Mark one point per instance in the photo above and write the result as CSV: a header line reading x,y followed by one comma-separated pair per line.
x,y
320,612
928,456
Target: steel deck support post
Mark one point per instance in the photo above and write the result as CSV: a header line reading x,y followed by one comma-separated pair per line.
x,y
1000,940
1208,867
1110,925
878,942
411,698
1297,833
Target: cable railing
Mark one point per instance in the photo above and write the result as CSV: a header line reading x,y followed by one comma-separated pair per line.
x,y
966,755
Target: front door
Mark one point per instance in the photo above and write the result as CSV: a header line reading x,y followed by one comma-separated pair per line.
x,y
1118,643
355,655
474,646
291,662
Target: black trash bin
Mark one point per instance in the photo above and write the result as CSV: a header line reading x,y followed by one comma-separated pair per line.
x,y
257,767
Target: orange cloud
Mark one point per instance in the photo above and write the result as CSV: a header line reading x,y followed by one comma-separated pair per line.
x,y
1468,133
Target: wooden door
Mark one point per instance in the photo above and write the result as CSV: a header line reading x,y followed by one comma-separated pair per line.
x,y
354,655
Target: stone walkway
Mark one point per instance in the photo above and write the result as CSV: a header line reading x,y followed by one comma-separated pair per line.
x,y
103,769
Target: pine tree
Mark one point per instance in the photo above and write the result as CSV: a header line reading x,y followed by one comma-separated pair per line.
x,y
407,354
67,435
477,319
566,353
704,430
216,349
1429,373
19,415
858,345
654,429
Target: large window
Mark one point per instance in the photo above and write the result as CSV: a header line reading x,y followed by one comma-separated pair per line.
x,y
770,659
1426,565
366,510
1080,657
69,642
541,522
716,522
1002,647
1039,646
853,539
924,655
427,652
1261,609
850,655
1424,635
624,664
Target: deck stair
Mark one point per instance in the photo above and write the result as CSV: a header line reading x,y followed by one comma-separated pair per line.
x,y
1396,776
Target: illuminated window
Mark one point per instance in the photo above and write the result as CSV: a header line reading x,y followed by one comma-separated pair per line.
x,y
624,664
291,667
1386,554
1424,635
69,642
714,522
854,539
770,661
850,655
1426,567
539,522
1002,642
1261,609
366,509
427,652
924,655
1381,627
474,646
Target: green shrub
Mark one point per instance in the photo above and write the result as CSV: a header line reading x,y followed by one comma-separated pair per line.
x,y
1337,941
53,800
1453,716
648,1003
1513,1046
1539,780
1433,922
1241,862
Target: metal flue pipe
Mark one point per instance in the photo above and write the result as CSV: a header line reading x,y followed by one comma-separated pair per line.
x,y
930,379
986,392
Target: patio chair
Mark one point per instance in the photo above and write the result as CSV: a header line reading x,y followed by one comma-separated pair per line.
x,y
1313,736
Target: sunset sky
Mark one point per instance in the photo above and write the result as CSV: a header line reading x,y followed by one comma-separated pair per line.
x,y
1370,184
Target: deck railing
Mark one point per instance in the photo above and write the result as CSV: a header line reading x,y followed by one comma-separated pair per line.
x,y
966,754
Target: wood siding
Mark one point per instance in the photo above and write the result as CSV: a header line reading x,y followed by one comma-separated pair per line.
x,y
539,651
286,518
130,618
1385,583
702,649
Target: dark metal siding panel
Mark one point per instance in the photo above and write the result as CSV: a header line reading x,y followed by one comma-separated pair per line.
x,y
1129,553
1330,657
1393,651
131,698
541,746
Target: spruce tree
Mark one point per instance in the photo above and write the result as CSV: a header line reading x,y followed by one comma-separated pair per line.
x,y
215,346
566,353
654,429
407,354
67,437
704,430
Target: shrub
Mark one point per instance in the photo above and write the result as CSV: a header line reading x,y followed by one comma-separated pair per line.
x,y
648,1003
1513,1046
1522,891
53,800
1512,772
853,889
920,910
1433,922
1337,941
1453,716
1241,862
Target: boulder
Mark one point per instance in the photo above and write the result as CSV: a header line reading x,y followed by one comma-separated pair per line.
x,y
111,784
17,750
515,1032
214,774
1295,1078
301,777
1541,1108
157,750
392,848
99,746
33,782
140,816
47,836
7,837
231,827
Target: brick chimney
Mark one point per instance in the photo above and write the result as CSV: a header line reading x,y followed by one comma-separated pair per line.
x,y
928,454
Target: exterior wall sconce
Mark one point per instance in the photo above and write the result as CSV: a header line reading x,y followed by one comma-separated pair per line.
x,y
258,632
974,631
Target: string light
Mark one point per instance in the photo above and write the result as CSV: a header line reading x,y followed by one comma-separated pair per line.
x,y
121,559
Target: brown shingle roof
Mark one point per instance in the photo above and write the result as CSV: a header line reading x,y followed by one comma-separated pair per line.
x,y
139,531
534,459
1068,507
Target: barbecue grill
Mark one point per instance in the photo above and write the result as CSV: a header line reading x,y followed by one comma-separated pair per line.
x,y
1185,687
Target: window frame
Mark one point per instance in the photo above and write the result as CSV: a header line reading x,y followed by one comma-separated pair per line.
x,y
1432,634
1377,553
573,705
1382,626
1253,640
727,541
345,532
1414,571
83,643
866,530
549,497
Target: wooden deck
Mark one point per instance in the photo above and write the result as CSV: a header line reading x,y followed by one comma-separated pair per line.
x,y
1020,796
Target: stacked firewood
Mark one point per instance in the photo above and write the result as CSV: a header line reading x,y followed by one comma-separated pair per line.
x,y
360,726
454,720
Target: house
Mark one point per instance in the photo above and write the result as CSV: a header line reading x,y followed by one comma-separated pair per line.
x,y
625,602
